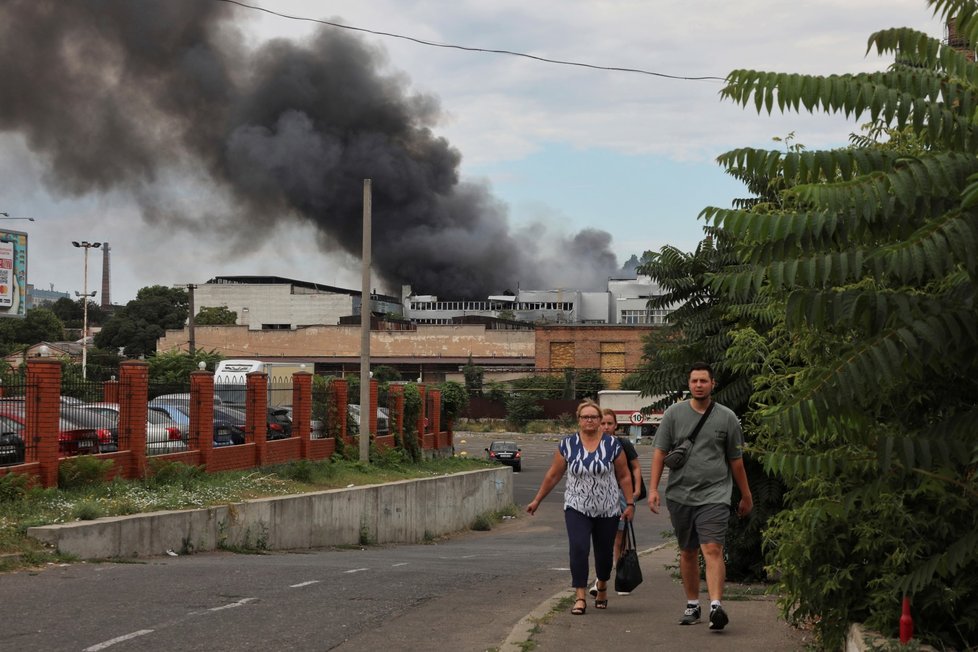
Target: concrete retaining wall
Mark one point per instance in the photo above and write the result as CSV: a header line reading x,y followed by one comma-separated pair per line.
x,y
400,512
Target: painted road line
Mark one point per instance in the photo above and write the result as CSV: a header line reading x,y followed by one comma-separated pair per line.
x,y
117,639
356,570
402,563
239,603
302,584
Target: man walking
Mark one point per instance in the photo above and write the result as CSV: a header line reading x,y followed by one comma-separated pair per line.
x,y
698,493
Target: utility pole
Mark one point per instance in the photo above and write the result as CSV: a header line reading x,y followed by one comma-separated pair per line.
x,y
365,407
86,245
190,320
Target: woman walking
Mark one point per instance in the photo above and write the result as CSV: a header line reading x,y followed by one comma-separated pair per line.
x,y
597,474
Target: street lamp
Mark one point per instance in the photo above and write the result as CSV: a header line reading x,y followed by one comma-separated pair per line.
x,y
7,217
86,246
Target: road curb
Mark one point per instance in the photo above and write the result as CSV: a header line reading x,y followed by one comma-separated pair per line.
x,y
523,630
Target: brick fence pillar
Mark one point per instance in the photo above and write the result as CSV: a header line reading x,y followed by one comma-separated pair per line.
x,y
435,418
43,414
133,393
110,391
256,414
202,414
302,410
341,395
374,400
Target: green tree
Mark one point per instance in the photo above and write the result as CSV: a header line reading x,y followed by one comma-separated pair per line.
x,y
587,383
175,367
38,325
68,311
539,386
521,408
215,316
473,378
870,256
386,373
454,399
137,326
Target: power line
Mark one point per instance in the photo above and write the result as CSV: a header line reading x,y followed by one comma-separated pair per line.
x,y
465,48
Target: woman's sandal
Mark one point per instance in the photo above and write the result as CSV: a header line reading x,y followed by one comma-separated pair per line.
x,y
579,611
602,604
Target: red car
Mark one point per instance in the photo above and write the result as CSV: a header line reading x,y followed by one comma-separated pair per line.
x,y
72,439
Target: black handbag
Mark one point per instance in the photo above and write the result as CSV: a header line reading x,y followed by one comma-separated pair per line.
x,y
628,572
643,492
680,452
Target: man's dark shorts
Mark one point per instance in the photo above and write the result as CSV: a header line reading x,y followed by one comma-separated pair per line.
x,y
695,525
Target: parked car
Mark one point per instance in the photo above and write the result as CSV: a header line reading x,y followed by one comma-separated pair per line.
x,y
183,398
163,435
353,421
316,426
506,452
73,439
11,441
279,425
226,433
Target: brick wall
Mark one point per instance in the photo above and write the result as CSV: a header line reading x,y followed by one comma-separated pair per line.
x,y
614,349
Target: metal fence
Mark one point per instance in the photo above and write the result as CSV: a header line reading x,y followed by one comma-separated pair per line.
x,y
15,447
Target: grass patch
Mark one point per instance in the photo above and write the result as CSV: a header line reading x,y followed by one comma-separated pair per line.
x,y
174,486
485,522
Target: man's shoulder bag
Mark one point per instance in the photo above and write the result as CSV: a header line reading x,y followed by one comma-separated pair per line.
x,y
680,452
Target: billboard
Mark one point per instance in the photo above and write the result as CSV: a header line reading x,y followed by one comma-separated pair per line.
x,y
13,273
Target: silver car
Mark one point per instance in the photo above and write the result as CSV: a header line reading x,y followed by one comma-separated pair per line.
x,y
163,435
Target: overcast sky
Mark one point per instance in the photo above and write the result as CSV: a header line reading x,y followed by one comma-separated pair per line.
x,y
562,148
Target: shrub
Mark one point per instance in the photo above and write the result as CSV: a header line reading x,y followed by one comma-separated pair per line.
x,y
168,472
521,409
13,486
83,471
87,511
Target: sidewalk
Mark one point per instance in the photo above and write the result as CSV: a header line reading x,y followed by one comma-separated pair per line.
x,y
648,619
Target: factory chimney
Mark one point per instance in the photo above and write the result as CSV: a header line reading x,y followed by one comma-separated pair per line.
x,y
106,303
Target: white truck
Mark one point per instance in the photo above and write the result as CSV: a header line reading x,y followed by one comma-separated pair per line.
x,y
630,409
230,380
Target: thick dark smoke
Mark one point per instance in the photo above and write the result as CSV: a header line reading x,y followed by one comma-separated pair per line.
x,y
136,95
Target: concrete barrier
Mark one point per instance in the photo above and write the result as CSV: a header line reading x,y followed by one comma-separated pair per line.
x,y
407,511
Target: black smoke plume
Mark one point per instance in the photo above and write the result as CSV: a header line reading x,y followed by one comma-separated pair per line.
x,y
162,100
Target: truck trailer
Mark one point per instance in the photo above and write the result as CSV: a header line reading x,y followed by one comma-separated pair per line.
x,y
230,380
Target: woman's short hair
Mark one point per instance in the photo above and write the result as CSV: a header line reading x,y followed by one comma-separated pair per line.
x,y
588,403
608,412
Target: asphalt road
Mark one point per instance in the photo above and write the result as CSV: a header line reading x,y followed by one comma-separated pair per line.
x,y
463,592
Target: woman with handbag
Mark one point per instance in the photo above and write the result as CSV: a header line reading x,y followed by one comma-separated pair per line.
x,y
609,423
597,474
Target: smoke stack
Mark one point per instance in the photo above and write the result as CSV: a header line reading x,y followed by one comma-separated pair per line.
x,y
105,275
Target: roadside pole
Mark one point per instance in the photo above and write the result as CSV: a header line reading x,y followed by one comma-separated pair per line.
x,y
365,406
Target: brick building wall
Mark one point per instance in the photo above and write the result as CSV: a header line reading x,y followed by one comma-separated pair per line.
x,y
616,350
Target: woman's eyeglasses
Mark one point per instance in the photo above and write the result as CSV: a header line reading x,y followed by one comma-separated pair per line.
x,y
589,417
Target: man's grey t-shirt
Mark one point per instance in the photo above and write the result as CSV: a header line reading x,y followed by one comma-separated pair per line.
x,y
705,478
